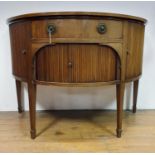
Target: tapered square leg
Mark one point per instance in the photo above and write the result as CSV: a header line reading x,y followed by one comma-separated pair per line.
x,y
32,108
19,97
120,97
135,94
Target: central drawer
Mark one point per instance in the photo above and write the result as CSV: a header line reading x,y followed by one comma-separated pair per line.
x,y
78,28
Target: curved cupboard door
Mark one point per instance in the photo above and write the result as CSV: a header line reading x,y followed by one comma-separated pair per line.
x,y
20,44
135,50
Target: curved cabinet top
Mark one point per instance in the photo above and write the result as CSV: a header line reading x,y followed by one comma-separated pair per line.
x,y
56,14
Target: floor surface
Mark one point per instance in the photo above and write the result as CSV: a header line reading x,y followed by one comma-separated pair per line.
x,y
78,131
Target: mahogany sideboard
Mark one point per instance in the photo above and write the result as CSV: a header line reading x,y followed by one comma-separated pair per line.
x,y
76,49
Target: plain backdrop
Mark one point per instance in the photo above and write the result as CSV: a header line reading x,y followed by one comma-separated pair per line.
x,y
78,98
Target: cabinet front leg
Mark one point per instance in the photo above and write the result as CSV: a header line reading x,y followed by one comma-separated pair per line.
x,y
19,97
135,93
32,108
120,97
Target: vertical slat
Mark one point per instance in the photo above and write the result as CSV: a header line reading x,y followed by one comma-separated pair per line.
x,y
51,64
93,63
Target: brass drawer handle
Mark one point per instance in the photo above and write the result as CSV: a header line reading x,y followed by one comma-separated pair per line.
x,y
51,29
101,28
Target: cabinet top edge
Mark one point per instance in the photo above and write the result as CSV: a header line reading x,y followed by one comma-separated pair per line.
x,y
97,14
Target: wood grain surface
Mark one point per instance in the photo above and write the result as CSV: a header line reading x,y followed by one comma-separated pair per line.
x,y
78,131
20,35
77,28
76,63
72,14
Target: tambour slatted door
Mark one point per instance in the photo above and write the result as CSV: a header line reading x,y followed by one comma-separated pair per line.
x,y
51,63
92,63
76,63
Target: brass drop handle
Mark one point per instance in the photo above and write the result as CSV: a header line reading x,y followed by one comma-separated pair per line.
x,y
70,64
51,29
101,28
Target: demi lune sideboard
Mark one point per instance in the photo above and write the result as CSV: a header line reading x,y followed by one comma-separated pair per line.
x,y
76,49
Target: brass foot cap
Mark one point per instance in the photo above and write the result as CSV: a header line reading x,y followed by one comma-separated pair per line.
x,y
20,110
119,133
33,134
134,110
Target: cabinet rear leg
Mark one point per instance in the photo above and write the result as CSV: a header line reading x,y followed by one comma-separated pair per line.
x,y
19,97
120,96
32,108
135,93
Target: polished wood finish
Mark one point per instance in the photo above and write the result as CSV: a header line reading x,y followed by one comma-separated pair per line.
x,y
78,131
32,107
52,64
20,46
19,96
135,94
120,97
81,28
134,50
78,14
73,52
76,63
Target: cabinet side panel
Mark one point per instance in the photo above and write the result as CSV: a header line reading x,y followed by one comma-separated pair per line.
x,y
20,35
135,50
